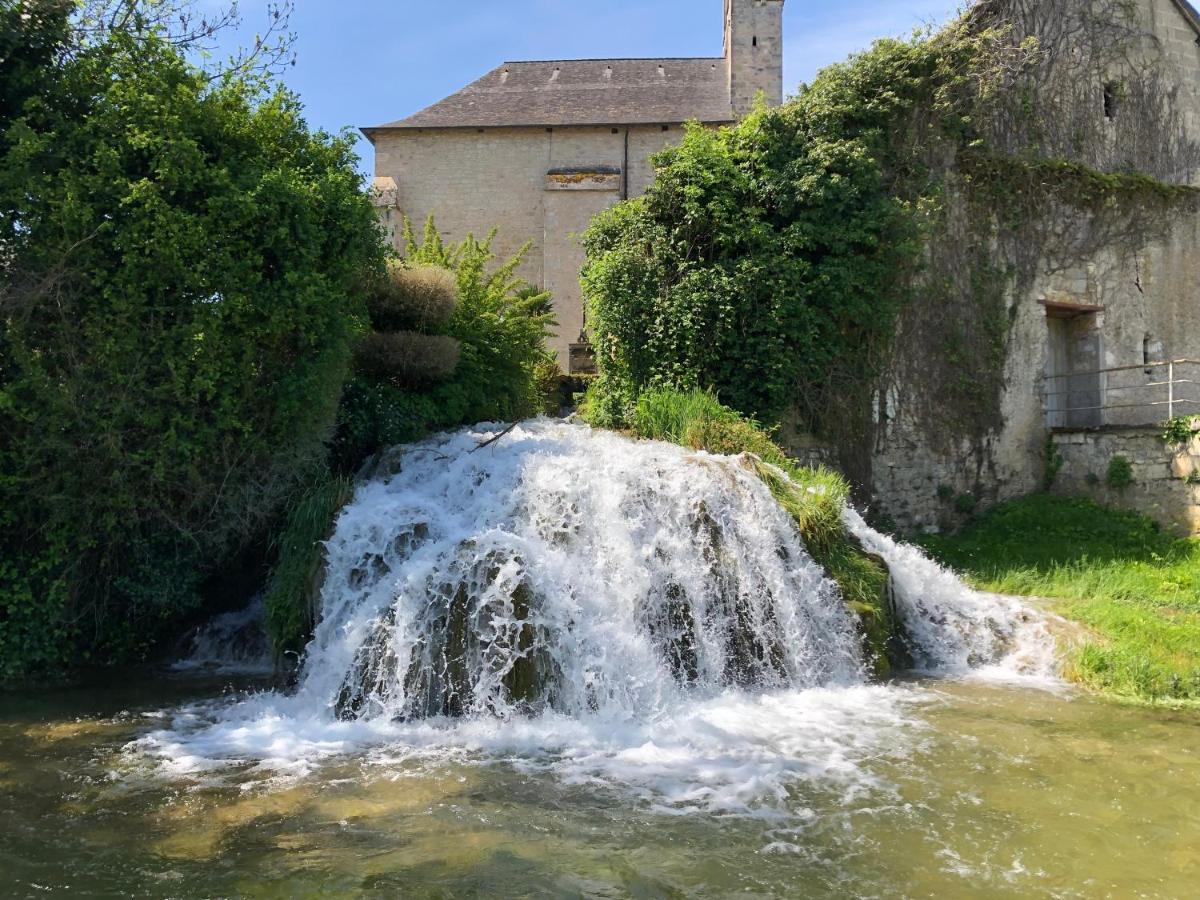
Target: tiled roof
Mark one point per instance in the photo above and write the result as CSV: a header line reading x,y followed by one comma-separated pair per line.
x,y
584,92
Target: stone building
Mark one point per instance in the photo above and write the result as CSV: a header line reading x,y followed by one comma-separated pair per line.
x,y
1103,342
536,149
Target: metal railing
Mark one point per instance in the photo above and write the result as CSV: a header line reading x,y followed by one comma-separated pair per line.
x,y
1124,395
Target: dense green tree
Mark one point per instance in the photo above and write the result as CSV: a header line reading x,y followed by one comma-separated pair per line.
x,y
183,264
770,259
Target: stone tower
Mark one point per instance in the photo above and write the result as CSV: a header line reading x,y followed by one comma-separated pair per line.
x,y
754,51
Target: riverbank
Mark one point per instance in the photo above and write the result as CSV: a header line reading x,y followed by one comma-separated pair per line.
x,y
1135,589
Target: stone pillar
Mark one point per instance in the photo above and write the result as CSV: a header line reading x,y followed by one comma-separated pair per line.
x,y
385,195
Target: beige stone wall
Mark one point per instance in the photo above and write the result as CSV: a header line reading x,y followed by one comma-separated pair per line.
x,y
1176,41
1160,487
754,50
473,180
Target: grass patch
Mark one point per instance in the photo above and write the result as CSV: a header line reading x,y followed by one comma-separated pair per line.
x,y
1136,589
814,497
295,582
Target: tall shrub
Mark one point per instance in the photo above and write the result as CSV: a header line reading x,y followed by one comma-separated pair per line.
x,y
770,259
500,323
183,271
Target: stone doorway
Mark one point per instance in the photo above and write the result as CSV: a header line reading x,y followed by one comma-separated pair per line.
x,y
1074,394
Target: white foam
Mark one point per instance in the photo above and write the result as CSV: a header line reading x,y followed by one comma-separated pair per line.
x,y
737,753
953,630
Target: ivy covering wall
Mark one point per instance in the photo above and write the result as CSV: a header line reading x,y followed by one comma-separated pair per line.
x,y
916,187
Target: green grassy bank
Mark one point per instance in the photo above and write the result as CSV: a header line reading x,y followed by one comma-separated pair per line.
x,y
1135,589
815,498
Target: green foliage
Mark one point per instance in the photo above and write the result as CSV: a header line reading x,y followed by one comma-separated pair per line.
x,y
1136,589
407,359
966,504
295,582
1120,473
814,497
769,260
1181,430
183,272
33,35
548,384
500,324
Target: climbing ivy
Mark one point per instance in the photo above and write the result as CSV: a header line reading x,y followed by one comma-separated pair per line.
x,y
914,189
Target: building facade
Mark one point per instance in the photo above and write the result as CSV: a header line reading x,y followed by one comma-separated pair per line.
x,y
1103,342
536,149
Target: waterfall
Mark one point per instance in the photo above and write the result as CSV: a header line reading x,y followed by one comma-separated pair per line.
x,y
617,612
950,629
568,569
233,643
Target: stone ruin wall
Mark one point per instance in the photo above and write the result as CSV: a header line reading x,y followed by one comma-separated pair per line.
x,y
1166,480
1150,299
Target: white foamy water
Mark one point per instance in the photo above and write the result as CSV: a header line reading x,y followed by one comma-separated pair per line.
x,y
951,629
618,613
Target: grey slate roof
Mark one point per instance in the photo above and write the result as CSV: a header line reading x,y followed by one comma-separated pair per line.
x,y
584,92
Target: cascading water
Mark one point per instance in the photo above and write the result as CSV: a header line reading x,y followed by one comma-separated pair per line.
x,y
233,643
950,629
568,569
617,611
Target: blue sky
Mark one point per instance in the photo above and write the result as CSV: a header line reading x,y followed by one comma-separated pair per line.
x,y
365,62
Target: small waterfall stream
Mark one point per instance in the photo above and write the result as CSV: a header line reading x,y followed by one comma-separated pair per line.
x,y
620,612
569,569
233,643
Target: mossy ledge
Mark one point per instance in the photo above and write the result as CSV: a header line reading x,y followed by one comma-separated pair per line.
x,y
814,497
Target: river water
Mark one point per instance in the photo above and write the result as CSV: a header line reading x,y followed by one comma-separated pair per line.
x,y
926,788
573,665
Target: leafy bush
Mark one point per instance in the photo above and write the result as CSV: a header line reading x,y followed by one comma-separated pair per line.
x,y
1181,430
407,359
183,272
421,298
769,260
501,325
1120,473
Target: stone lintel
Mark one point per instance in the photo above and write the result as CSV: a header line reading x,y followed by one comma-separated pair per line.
x,y
584,178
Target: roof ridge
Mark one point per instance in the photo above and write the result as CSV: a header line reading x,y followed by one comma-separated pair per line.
x,y
522,62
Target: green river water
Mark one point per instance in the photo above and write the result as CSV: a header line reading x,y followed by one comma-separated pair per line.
x,y
986,791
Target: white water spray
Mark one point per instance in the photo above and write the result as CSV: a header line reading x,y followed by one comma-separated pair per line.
x,y
618,612
950,629
568,569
